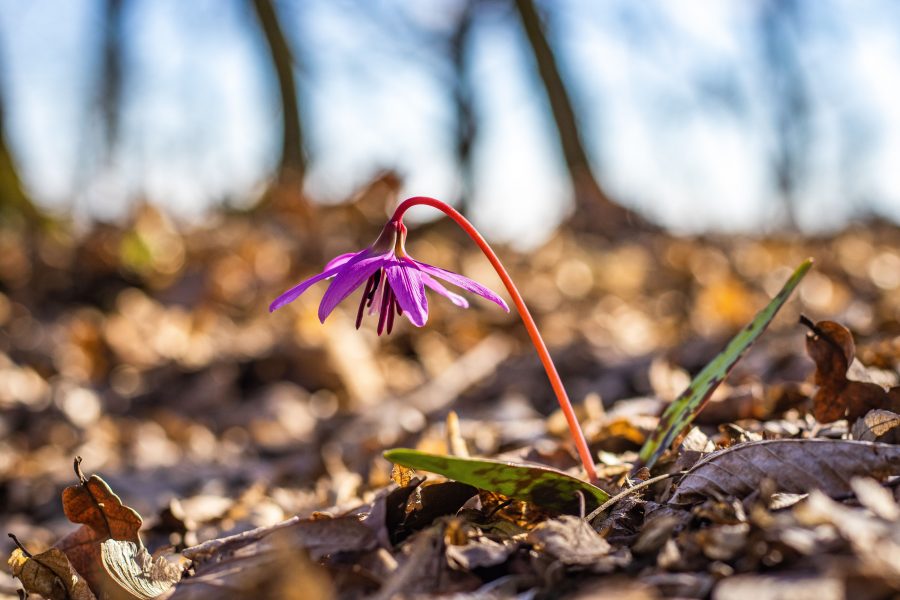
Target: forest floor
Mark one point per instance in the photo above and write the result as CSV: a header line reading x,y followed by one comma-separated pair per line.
x,y
251,443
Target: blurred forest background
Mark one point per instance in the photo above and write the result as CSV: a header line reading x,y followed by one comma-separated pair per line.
x,y
747,116
654,171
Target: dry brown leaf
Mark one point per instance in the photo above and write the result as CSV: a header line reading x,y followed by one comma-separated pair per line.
x,y
796,466
318,537
831,347
132,567
570,540
49,574
104,517
94,504
878,426
270,567
402,475
481,552
876,540
796,587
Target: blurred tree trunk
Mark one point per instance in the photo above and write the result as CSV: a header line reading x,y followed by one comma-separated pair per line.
x,y
463,101
789,100
110,84
287,192
594,210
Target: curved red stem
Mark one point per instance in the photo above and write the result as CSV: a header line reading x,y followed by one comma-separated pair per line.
x,y
555,382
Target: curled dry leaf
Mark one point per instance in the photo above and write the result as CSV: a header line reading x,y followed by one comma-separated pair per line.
x,y
831,347
49,574
795,466
132,567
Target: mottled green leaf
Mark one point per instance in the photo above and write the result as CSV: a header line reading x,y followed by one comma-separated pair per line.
x,y
541,485
682,411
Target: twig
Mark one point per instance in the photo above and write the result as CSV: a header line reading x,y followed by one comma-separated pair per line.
x,y
455,440
606,505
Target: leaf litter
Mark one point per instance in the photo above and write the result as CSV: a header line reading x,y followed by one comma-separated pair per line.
x,y
252,447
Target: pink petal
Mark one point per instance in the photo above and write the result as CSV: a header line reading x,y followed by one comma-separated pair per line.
x,y
463,282
408,285
342,259
350,276
292,294
330,270
435,285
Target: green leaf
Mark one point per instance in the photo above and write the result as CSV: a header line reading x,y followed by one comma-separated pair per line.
x,y
541,485
682,411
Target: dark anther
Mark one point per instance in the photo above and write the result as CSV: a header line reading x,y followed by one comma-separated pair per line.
x,y
362,301
385,306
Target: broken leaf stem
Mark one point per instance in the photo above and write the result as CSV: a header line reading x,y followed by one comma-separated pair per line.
x,y
555,382
20,546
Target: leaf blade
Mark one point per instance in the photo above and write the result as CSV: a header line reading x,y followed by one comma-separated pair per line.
x,y
538,484
691,401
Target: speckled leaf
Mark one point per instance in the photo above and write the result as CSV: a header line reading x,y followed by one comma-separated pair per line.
x,y
544,486
682,411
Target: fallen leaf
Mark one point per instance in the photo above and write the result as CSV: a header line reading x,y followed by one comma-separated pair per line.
x,y
541,485
573,542
132,567
796,587
94,504
480,552
269,566
682,411
831,347
875,539
795,466
430,501
878,426
104,516
401,475
319,537
49,574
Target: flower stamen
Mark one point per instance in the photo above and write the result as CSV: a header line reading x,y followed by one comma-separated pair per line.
x,y
390,312
384,308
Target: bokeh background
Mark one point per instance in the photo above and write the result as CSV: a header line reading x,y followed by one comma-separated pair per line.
x,y
747,116
651,172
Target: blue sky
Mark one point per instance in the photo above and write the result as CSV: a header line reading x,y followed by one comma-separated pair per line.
x,y
201,121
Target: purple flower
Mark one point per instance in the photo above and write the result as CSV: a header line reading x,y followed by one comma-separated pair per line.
x,y
394,283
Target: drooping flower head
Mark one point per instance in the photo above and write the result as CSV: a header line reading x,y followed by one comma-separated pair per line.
x,y
394,282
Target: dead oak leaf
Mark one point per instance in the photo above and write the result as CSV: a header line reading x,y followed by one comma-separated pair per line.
x,y
49,574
